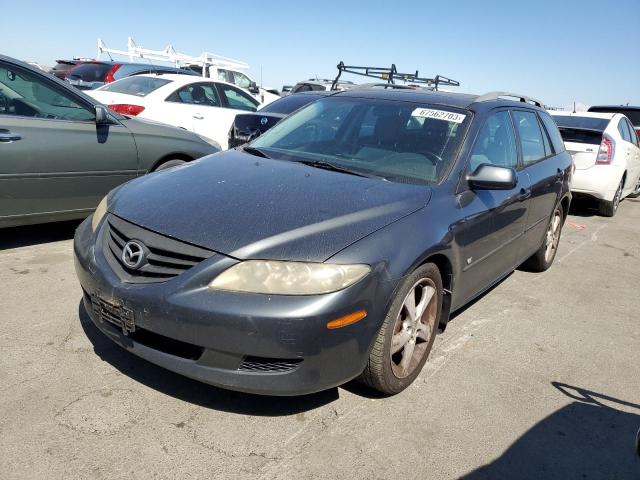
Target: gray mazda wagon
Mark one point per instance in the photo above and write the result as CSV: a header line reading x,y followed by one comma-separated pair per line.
x,y
334,246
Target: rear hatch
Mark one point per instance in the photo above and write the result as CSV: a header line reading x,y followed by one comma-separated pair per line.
x,y
582,137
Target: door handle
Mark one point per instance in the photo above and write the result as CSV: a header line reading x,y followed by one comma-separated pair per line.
x,y
9,137
524,194
198,116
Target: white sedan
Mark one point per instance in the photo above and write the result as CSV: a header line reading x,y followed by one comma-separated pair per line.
x,y
198,104
606,155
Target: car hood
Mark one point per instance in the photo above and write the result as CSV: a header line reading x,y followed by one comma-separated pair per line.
x,y
144,126
251,207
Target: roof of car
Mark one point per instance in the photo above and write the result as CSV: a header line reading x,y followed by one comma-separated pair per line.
x,y
566,113
454,99
615,107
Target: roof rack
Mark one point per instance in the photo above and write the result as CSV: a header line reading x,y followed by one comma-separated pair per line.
x,y
391,74
170,55
521,98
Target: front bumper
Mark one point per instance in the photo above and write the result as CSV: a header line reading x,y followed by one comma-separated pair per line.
x,y
212,336
598,181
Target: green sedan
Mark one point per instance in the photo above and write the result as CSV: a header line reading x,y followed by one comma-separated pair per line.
x,y
61,151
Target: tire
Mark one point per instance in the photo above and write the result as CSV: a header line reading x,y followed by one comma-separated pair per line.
x,y
411,336
636,191
169,164
543,258
610,208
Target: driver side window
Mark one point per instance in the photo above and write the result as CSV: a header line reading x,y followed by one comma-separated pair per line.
x,y
496,144
24,94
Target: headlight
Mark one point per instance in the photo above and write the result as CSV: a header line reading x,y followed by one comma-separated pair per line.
x,y
101,209
288,278
213,143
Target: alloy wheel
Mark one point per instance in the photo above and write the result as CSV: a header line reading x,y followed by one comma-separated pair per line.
x,y
553,236
414,328
616,198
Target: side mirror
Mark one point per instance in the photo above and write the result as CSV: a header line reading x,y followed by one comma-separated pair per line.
x,y
493,177
102,115
253,88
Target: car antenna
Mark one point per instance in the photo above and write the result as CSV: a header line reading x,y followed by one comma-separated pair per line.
x,y
574,106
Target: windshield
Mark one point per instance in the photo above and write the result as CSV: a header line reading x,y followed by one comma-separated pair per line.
x,y
138,86
289,104
398,141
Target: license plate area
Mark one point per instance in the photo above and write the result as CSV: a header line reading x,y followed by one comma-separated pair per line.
x,y
114,312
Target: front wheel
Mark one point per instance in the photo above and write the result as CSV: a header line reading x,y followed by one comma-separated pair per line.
x,y
407,334
543,258
169,164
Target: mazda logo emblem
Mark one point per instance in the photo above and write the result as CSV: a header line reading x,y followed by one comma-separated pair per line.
x,y
133,255
264,120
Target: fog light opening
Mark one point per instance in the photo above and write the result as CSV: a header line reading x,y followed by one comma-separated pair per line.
x,y
347,320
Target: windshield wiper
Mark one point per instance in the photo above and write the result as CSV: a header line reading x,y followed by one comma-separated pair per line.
x,y
332,167
255,151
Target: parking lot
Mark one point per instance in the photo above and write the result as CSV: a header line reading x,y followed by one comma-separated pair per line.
x,y
539,378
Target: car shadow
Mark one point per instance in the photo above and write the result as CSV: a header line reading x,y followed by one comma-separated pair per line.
x,y
590,438
15,237
192,391
584,207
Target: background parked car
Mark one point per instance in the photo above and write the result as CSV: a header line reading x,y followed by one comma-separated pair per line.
x,y
247,126
94,74
632,113
319,85
61,151
190,102
606,154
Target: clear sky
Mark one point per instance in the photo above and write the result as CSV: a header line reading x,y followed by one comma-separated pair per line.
x,y
559,51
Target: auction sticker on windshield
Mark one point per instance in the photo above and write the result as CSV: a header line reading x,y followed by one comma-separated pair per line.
x,y
438,115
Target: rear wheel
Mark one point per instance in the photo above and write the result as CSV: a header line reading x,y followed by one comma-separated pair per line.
x,y
407,334
636,191
543,258
169,164
609,208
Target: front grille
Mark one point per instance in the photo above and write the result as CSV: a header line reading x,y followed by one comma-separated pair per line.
x,y
268,365
165,257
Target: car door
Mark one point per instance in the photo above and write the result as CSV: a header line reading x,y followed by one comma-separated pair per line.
x,y
632,154
54,158
545,175
197,107
494,220
235,101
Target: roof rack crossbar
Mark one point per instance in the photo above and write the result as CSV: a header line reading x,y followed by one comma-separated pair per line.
x,y
521,98
391,74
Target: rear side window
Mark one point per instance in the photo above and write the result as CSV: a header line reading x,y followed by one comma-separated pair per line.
x,y
552,130
138,86
90,72
634,135
196,94
496,143
623,128
531,141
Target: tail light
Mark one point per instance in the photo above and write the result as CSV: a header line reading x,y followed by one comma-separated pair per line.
x,y
108,78
605,154
126,109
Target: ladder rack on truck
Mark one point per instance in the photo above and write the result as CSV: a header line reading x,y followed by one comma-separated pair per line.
x,y
170,55
390,75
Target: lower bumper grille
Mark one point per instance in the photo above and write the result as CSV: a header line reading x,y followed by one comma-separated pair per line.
x,y
268,365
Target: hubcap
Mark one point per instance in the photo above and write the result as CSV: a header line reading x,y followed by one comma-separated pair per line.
x,y
616,199
637,190
414,328
553,236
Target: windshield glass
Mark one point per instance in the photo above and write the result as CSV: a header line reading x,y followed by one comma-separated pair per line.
x,y
138,86
398,141
289,104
